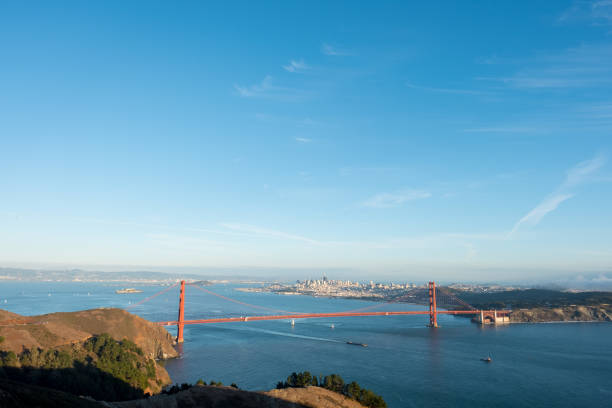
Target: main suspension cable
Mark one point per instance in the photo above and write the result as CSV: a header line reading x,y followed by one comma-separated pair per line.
x,y
152,296
241,303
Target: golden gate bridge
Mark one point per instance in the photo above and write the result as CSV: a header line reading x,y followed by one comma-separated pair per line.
x,y
433,294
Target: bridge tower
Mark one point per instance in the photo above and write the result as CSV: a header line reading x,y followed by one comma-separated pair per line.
x,y
181,316
433,310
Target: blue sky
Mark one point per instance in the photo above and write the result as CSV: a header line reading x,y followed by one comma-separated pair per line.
x,y
390,139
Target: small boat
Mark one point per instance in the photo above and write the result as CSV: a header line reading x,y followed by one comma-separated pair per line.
x,y
292,322
332,326
357,344
127,290
487,360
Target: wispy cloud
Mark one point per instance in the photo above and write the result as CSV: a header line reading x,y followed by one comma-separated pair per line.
x,y
303,140
395,199
267,89
331,50
255,90
501,129
596,12
188,243
267,233
448,90
534,216
578,174
296,66
417,242
308,122
578,67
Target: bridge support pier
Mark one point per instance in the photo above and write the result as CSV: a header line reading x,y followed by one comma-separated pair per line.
x,y
433,309
181,316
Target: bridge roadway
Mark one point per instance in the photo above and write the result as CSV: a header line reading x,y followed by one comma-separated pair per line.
x,y
315,315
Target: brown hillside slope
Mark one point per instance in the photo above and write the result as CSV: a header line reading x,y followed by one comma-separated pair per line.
x,y
56,329
228,397
314,397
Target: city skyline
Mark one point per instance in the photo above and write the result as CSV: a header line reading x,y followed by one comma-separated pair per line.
x,y
374,141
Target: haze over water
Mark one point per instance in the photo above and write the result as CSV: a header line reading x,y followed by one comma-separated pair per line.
x,y
544,365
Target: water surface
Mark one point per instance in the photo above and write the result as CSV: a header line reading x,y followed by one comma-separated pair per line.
x,y
410,365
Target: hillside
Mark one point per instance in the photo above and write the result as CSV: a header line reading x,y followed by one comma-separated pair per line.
x,y
533,298
228,397
57,329
314,397
563,314
14,394
105,353
100,367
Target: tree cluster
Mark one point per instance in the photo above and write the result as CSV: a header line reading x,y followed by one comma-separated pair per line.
x,y
101,367
334,382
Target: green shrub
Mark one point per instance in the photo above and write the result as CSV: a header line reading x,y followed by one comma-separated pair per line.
x,y
103,368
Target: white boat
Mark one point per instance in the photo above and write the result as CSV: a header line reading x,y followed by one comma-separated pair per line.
x,y
127,290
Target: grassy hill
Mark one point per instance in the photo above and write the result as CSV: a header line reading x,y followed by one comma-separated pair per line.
x,y
57,329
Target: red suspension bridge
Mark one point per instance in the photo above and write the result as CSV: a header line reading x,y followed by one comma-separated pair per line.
x,y
433,294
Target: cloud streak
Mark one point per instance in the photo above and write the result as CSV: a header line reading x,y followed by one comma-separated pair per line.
x,y
266,233
333,51
456,91
267,89
534,216
395,199
296,66
586,66
575,176
597,12
500,129
580,172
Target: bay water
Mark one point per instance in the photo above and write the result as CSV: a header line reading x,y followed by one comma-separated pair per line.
x,y
410,365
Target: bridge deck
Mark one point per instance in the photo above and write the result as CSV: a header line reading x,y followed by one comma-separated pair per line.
x,y
317,315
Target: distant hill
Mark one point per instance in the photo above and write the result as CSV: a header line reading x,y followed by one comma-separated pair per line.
x,y
56,329
78,275
533,298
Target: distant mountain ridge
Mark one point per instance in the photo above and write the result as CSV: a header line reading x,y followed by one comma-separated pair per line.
x,y
79,275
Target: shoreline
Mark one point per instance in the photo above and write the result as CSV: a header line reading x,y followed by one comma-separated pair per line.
x,y
376,299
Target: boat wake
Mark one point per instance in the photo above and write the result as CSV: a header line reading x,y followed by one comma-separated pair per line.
x,y
298,336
